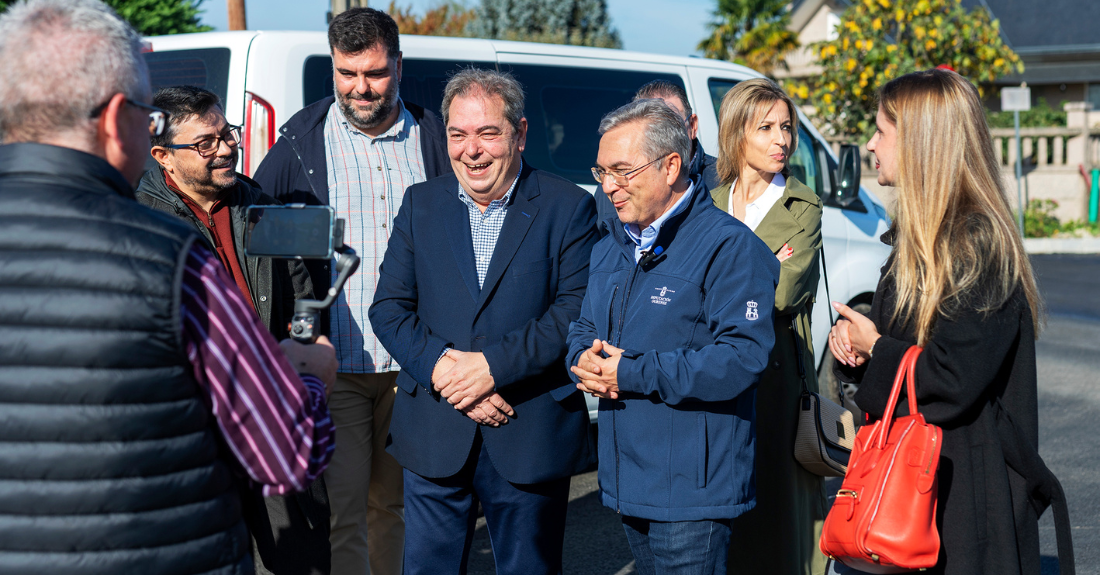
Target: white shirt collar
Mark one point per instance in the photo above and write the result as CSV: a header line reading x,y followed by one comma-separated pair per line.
x,y
755,211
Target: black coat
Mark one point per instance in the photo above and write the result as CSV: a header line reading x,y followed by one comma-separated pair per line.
x,y
975,369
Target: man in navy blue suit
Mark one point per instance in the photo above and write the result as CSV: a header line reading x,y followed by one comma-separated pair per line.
x,y
484,271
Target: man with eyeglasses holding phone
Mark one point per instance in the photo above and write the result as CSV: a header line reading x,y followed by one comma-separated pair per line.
x,y
198,182
135,377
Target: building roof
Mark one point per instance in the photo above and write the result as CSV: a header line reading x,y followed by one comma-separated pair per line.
x,y
1056,39
1031,24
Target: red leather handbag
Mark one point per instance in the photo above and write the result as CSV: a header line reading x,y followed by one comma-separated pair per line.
x,y
884,516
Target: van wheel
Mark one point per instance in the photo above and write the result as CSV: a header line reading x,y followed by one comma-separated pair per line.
x,y
832,388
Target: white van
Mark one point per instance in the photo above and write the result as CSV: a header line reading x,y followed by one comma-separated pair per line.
x,y
265,77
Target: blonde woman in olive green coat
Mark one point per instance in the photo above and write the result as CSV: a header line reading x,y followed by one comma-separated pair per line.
x,y
758,132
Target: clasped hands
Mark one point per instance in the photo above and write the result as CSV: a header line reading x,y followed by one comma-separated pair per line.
x,y
599,374
463,379
853,336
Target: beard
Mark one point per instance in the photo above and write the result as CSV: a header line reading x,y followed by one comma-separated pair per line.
x,y
373,116
202,178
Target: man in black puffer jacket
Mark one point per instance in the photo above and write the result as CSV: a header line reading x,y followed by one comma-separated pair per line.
x,y
196,181
135,378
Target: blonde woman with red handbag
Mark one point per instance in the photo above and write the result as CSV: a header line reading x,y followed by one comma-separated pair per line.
x,y
959,284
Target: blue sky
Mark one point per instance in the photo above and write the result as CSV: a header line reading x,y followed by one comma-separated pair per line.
x,y
672,27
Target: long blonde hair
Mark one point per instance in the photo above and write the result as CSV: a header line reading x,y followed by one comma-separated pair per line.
x,y
747,103
956,243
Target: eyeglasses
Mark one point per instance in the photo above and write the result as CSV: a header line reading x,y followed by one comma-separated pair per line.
x,y
158,119
207,147
620,177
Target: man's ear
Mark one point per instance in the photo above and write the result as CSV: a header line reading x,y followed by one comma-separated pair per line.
x,y
672,168
111,131
163,156
521,135
693,126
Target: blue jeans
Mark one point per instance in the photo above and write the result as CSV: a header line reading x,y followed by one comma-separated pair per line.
x,y
678,547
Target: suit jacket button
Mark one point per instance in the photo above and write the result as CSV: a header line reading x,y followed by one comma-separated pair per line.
x,y
775,364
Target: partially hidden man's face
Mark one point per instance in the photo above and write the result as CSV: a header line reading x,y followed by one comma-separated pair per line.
x,y
690,122
483,145
367,87
191,171
648,193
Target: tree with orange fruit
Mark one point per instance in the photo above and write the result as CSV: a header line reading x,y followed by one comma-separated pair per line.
x,y
879,40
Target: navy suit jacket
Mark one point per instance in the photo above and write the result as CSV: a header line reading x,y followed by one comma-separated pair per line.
x,y
428,298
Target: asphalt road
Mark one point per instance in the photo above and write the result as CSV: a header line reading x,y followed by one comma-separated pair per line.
x,y
1069,436
1068,361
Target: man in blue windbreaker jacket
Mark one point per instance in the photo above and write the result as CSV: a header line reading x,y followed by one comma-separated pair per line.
x,y
674,330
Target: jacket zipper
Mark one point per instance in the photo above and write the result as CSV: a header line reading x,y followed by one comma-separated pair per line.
x,y
614,430
251,267
616,337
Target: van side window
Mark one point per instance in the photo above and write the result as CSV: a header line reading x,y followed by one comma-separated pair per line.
x,y
828,171
316,79
204,68
564,104
422,81
564,109
803,163
718,88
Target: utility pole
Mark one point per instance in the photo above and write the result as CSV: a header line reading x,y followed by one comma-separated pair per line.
x,y
236,15
339,6
1018,100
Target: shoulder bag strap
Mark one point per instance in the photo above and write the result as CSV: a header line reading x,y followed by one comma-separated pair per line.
x,y
825,273
798,350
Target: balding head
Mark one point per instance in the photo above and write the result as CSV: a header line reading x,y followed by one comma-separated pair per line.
x,y
59,60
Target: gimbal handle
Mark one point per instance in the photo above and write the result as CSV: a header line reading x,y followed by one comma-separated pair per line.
x,y
307,312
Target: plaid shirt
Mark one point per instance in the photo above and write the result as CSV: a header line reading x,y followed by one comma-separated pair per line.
x,y
485,226
367,178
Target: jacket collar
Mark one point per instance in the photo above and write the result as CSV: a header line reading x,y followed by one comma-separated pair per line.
x,y
313,116
780,225
306,120
521,213
242,195
700,200
695,167
64,164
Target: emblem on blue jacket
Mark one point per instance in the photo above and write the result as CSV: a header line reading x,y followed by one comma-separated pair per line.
x,y
661,299
751,313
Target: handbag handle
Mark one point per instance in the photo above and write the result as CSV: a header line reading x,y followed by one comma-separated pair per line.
x,y
906,370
